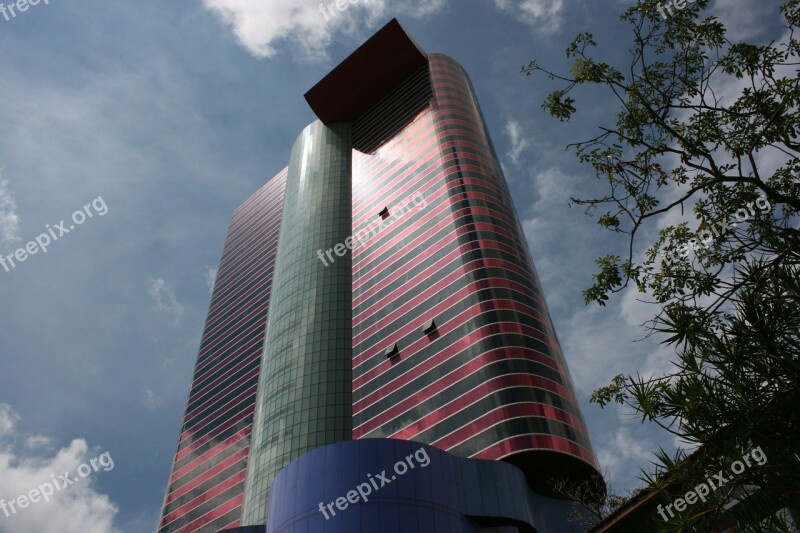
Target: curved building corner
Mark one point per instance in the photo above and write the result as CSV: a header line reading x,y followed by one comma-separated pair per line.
x,y
397,486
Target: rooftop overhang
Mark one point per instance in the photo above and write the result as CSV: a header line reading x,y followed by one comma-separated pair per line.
x,y
359,82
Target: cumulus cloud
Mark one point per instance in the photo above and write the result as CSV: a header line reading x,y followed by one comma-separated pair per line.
x,y
303,25
77,508
624,453
745,19
9,221
542,15
518,142
163,295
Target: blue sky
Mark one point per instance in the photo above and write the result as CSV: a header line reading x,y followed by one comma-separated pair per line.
x,y
173,113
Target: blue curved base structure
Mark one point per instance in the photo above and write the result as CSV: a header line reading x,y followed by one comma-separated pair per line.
x,y
440,494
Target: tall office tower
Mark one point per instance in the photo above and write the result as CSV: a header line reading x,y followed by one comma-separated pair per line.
x,y
407,323
205,490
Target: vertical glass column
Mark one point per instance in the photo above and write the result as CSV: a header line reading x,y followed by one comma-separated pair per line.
x,y
305,388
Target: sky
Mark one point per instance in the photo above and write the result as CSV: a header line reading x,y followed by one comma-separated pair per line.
x,y
155,120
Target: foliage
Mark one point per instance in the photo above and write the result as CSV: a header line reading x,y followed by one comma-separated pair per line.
x,y
706,127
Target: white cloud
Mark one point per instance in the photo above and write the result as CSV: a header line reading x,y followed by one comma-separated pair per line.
x,y
518,142
745,19
262,26
77,508
151,400
211,277
8,419
164,295
541,15
38,441
9,221
623,453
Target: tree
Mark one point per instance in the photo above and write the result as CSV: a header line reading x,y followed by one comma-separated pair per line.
x,y
706,127
594,499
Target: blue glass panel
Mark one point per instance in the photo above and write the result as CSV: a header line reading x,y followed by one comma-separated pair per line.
x,y
425,519
371,517
351,518
472,499
442,521
506,502
390,519
407,519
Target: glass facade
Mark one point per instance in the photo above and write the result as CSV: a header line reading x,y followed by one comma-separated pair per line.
x,y
205,490
304,398
491,381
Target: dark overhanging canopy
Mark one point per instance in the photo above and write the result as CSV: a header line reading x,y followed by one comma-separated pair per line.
x,y
367,75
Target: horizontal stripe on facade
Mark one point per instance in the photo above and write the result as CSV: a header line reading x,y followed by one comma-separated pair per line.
x,y
272,186
386,416
195,520
231,277
238,241
425,427
458,326
257,274
242,229
439,255
465,433
472,271
224,398
466,258
447,397
205,501
212,453
438,144
389,187
243,366
451,292
475,181
440,266
252,268
507,410
524,443
194,446
190,483
251,359
221,338
437,220
238,338
509,428
219,412
396,186
236,349
475,285
227,521
259,238
210,485
483,337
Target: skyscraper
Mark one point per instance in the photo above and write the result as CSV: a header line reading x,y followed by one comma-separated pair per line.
x,y
405,305
206,487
